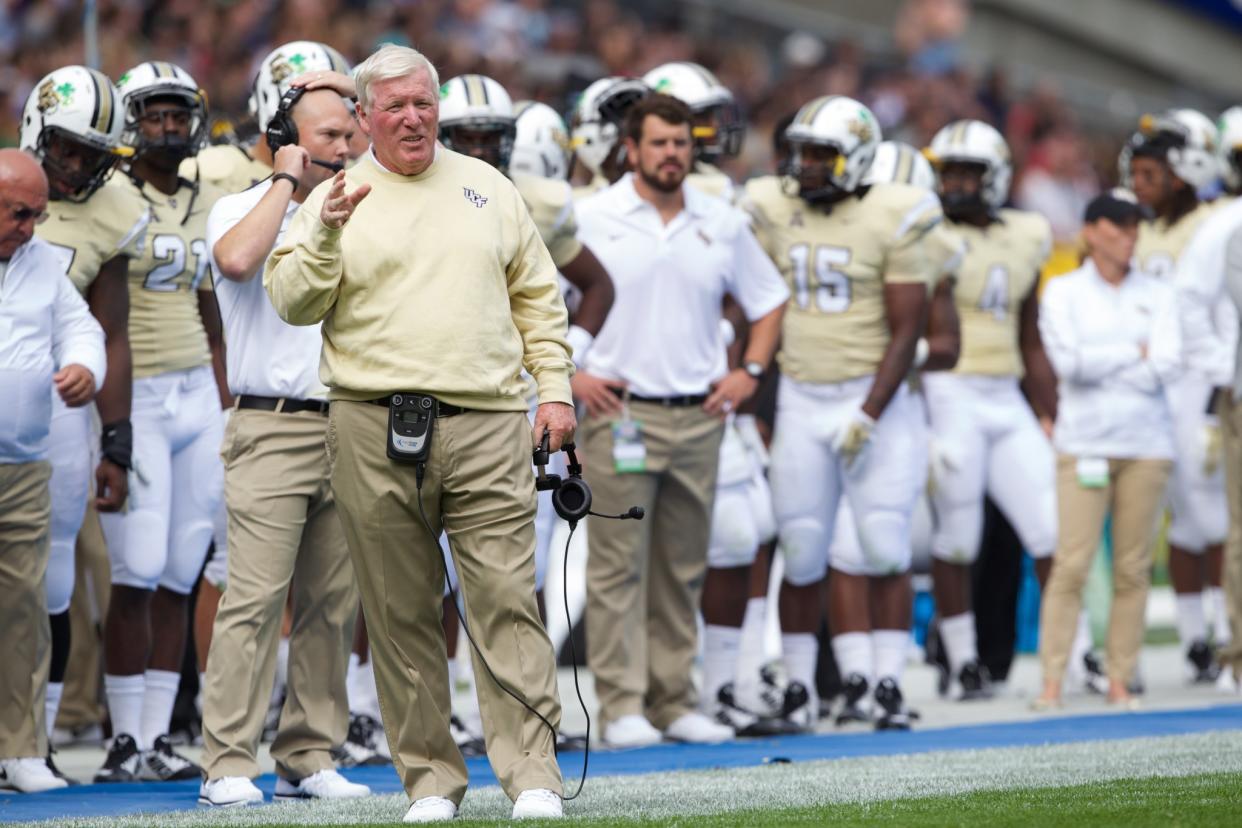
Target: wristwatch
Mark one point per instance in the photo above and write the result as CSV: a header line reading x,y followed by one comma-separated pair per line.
x,y
755,369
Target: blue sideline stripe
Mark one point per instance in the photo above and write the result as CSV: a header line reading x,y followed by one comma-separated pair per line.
x,y
121,799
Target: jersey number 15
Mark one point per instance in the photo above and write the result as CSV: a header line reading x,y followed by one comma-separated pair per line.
x,y
830,285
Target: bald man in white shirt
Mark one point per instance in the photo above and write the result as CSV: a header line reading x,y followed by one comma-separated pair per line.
x,y
49,343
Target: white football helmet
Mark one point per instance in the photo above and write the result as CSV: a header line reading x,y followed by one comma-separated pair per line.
x,y
1229,143
839,123
541,145
718,126
157,79
974,142
1185,139
72,122
283,64
476,118
595,127
897,162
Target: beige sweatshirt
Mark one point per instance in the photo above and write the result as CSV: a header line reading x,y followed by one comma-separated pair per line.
x,y
438,283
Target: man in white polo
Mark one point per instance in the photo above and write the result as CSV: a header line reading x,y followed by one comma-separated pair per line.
x,y
283,524
656,387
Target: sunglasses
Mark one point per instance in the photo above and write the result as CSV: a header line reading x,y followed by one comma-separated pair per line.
x,y
24,214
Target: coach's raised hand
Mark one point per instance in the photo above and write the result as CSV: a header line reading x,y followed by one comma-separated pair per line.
x,y
339,205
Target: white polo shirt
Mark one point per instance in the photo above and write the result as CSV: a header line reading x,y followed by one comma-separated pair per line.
x,y
44,326
662,336
1111,401
267,356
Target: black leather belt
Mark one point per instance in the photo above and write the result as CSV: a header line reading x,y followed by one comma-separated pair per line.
x,y
683,401
443,409
284,405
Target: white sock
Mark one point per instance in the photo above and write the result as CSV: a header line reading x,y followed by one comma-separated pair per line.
x,y
51,704
351,683
754,623
720,650
1082,642
281,679
368,695
1191,625
157,704
854,654
957,633
1214,597
125,700
801,652
892,649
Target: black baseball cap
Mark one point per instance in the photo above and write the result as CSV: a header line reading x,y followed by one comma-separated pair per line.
x,y
1118,206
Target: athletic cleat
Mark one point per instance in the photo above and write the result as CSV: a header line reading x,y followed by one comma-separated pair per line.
x,y
469,744
361,745
538,803
855,709
745,723
799,708
229,792
1136,687
975,680
163,764
1201,664
697,729
430,809
123,762
1095,681
894,715
28,775
568,744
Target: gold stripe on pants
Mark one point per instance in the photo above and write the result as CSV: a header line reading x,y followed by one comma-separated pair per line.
x,y
25,639
644,577
1231,432
1135,496
480,488
283,530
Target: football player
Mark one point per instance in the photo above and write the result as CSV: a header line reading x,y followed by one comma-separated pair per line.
x,y
718,125
1169,160
986,439
72,122
232,167
596,130
158,545
853,629
846,426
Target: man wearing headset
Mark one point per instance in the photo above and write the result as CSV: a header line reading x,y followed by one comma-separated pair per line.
x,y
283,525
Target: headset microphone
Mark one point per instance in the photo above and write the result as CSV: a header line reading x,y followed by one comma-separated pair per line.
x,y
571,496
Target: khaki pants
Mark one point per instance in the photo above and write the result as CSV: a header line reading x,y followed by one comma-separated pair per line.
x,y
480,489
283,529
25,521
1231,430
1134,494
644,577
80,705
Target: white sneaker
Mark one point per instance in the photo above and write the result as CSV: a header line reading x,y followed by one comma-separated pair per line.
x,y
229,790
29,775
324,784
431,809
538,803
630,732
697,729
1226,682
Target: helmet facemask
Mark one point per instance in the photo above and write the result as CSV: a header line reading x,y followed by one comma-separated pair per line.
x,y
818,170
718,132
490,141
963,201
188,115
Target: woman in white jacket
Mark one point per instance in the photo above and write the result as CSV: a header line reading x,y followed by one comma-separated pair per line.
x,y
1112,335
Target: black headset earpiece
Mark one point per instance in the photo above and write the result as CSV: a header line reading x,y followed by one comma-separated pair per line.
x,y
281,130
571,496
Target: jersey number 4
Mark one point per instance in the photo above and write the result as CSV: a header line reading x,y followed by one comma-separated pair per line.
x,y
995,296
169,251
830,285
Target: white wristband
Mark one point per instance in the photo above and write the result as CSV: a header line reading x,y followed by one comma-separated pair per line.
x,y
727,332
921,352
580,340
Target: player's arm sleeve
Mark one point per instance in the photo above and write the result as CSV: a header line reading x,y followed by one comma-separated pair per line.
x,y
760,225
538,310
909,260
303,274
564,244
77,338
134,242
1072,359
755,282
